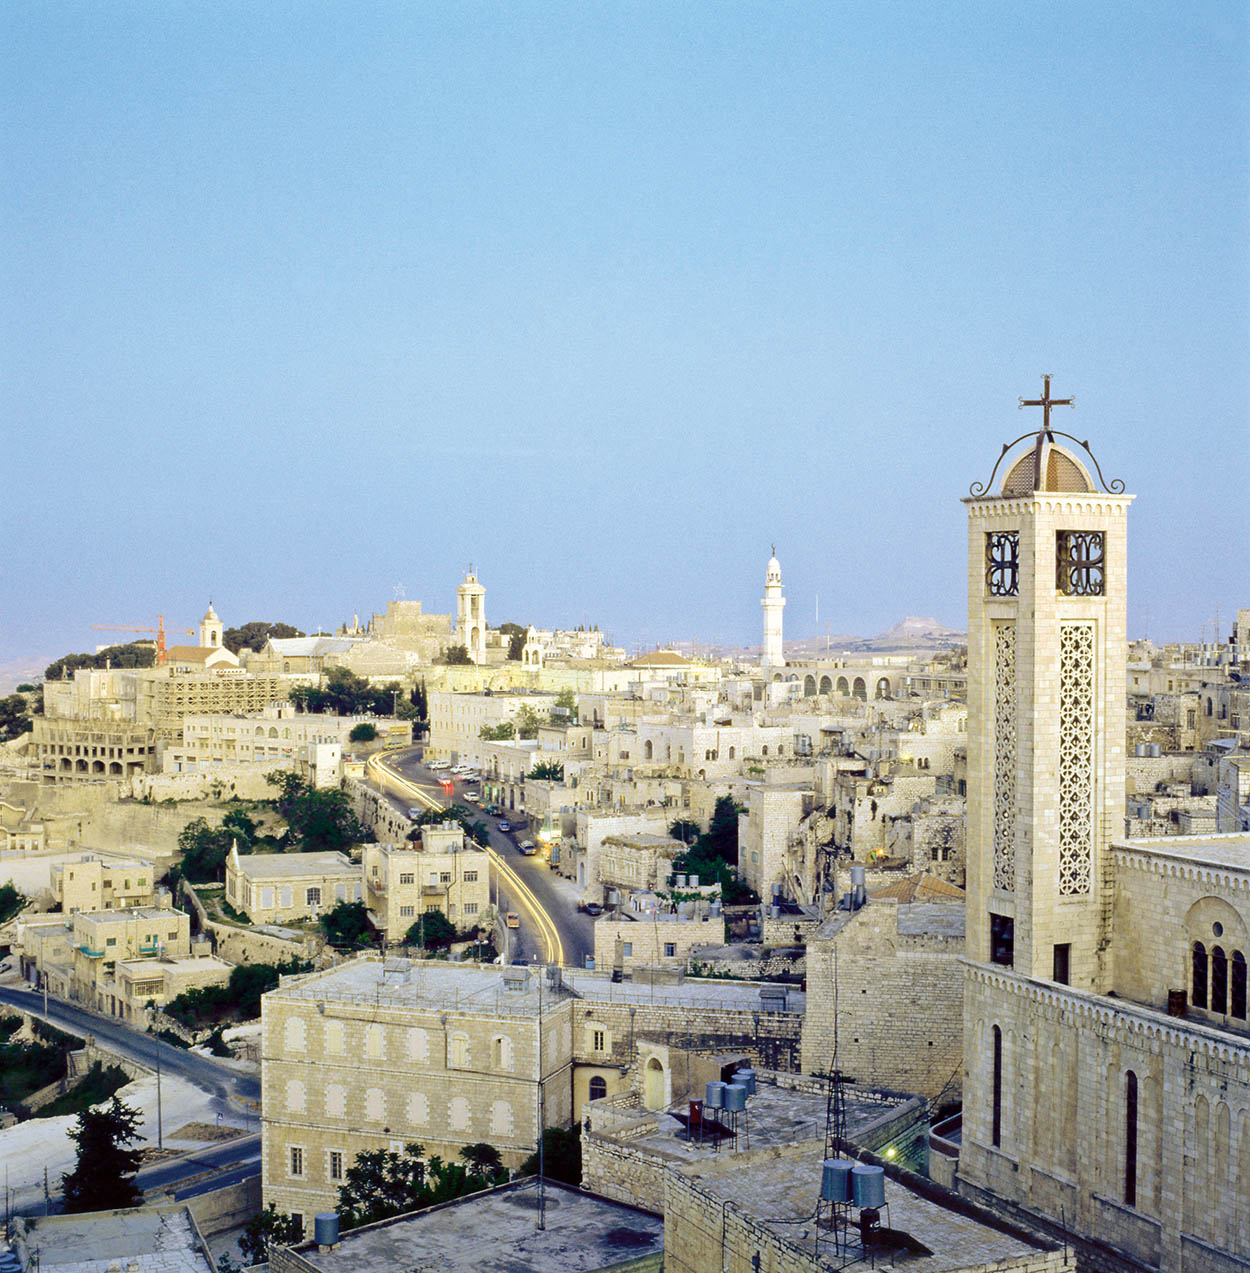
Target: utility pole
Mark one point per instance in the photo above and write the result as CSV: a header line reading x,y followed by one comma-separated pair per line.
x,y
160,1134
542,1217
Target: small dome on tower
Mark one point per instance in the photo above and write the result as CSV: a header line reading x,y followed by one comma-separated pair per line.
x,y
210,615
1047,467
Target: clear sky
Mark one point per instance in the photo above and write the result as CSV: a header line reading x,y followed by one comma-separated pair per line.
x,y
303,302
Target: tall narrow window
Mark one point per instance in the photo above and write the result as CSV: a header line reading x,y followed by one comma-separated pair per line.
x,y
1002,939
997,1129
1199,996
1219,980
1237,1004
1062,963
1130,1139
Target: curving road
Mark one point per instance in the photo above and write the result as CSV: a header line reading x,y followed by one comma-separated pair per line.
x,y
551,926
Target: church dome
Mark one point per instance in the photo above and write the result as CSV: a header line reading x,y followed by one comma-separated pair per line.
x,y
1047,467
210,615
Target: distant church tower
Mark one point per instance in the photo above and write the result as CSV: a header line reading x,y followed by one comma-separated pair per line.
x,y
471,617
773,653
210,629
1046,712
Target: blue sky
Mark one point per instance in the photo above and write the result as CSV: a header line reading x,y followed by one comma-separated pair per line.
x,y
303,302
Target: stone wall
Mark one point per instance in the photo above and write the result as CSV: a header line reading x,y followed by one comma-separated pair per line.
x,y
1063,1112
899,999
239,945
221,782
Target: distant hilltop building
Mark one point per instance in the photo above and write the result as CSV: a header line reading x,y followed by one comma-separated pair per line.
x,y
773,653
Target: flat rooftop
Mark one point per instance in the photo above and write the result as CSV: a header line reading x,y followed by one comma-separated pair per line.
x,y
1230,851
775,1117
773,1189
267,866
426,985
693,992
141,1240
497,1232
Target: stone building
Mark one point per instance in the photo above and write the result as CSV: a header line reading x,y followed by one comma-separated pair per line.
x,y
444,870
374,1055
274,888
1107,1058
884,983
772,652
653,939
96,883
637,862
102,940
90,750
471,617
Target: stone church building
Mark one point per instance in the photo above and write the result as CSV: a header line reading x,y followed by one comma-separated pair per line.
x,y
1106,1042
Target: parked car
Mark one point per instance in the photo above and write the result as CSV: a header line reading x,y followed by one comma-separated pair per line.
x,y
512,919
593,908
505,826
528,847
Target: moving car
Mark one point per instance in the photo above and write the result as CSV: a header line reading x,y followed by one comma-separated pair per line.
x,y
505,825
528,847
512,919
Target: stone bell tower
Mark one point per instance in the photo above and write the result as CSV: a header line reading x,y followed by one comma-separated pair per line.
x,y
471,617
211,629
1046,708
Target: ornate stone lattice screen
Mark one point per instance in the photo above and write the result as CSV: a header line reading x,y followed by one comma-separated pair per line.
x,y
1076,757
1005,756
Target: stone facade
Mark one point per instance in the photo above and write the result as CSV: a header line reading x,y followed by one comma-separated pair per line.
x,y
97,884
896,1000
273,888
363,1058
444,871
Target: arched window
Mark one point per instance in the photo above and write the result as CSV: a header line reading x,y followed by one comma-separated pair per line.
x,y
996,1130
501,1052
732,750
647,750
460,1050
764,750
1199,996
1130,1139
1219,980
598,1088
1237,1004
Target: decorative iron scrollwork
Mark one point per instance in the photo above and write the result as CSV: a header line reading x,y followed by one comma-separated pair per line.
x,y
1002,563
1080,563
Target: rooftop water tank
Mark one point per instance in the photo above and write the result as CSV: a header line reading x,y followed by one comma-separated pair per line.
x,y
693,881
326,1228
774,912
835,1179
714,911
736,1097
857,876
1156,749
747,1079
714,1095
685,910
681,881
868,1185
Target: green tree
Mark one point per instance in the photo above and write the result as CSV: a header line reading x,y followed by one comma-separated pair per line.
x,y
15,717
365,732
551,770
455,656
104,1177
567,700
133,654
382,1183
318,819
204,851
684,830
241,827
562,1156
527,722
253,635
270,1228
421,701
433,930
714,855
11,901
502,732
27,688
348,926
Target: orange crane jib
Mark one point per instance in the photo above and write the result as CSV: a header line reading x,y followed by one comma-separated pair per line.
x,y
159,630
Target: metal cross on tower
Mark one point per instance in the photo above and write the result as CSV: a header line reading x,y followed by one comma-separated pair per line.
x,y
1044,434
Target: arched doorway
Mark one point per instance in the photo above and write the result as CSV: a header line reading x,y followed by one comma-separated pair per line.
x,y
844,686
860,690
826,685
809,686
653,1084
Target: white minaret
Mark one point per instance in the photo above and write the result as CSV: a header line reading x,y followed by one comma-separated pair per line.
x,y
773,654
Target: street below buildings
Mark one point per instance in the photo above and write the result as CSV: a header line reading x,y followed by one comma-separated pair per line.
x,y
552,928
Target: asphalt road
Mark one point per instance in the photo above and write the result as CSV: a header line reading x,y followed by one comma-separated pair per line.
x,y
230,1089
576,929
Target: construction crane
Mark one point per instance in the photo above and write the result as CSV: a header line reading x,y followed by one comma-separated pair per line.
x,y
159,630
